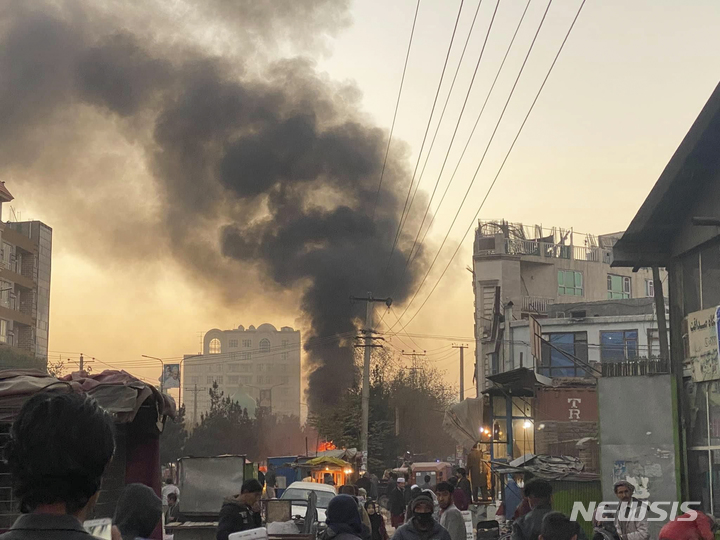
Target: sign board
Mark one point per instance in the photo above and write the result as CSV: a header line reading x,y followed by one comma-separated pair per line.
x,y
535,339
171,376
703,343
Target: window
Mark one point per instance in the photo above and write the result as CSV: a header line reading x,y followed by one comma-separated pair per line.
x,y
244,368
210,379
264,345
561,354
245,380
233,343
260,367
285,343
269,367
6,291
283,368
259,379
649,288
219,379
233,379
570,283
215,346
284,356
3,331
234,368
247,343
618,346
235,356
618,287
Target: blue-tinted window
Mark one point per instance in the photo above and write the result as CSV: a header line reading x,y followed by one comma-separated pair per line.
x,y
619,345
564,355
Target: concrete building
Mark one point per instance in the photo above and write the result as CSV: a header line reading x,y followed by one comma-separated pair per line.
x,y
678,227
532,268
260,365
25,265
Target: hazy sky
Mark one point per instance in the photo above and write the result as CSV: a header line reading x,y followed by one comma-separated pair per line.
x,y
628,85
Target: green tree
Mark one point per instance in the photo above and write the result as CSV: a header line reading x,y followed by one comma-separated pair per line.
x,y
173,438
411,402
225,429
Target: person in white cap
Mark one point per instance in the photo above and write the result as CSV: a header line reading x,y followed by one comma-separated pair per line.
x,y
397,503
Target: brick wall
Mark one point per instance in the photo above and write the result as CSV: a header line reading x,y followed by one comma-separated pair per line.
x,y
560,438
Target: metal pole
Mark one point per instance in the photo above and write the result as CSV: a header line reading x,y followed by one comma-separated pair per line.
x,y
366,376
462,374
195,406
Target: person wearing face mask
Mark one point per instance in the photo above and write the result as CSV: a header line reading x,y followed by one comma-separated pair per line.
x,y
422,525
377,523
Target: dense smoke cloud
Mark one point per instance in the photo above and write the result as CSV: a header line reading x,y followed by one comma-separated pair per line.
x,y
246,164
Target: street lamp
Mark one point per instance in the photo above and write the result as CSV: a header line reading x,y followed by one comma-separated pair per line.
x,y
261,389
162,373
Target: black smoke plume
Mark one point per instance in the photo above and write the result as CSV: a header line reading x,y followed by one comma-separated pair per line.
x,y
255,166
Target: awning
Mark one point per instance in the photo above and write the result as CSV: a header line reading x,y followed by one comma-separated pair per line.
x,y
118,392
463,421
517,382
325,460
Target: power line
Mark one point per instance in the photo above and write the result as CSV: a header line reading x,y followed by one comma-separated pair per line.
x,y
397,106
462,111
403,215
487,194
477,170
447,99
462,155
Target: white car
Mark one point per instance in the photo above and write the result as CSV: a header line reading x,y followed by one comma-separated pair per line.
x,y
299,492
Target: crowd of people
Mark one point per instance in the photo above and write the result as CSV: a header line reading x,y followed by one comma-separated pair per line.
x,y
61,444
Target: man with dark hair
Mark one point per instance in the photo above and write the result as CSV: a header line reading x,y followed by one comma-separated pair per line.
x,y
464,484
60,445
172,514
422,524
240,513
426,483
138,512
539,494
450,516
270,481
557,526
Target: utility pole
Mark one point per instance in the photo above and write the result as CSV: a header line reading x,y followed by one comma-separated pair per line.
x,y
81,362
462,369
414,355
195,393
368,331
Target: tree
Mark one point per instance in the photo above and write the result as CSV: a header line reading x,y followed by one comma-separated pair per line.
x,y
225,429
173,438
411,402
56,369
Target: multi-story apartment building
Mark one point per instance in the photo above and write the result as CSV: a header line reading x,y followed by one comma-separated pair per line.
x,y
529,269
262,362
25,263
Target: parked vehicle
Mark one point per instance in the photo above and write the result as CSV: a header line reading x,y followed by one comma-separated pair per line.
x,y
298,493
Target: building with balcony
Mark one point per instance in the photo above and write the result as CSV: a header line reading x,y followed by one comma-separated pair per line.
x,y
25,265
530,269
259,364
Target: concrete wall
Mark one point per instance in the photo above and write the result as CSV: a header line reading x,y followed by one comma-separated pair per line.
x,y
520,335
637,437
